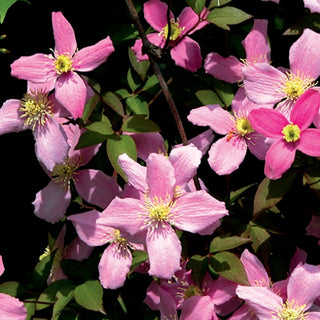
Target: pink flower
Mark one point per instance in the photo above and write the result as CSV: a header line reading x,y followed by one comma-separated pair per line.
x,y
289,135
58,70
266,84
37,112
302,289
92,185
257,50
227,153
312,5
184,51
163,206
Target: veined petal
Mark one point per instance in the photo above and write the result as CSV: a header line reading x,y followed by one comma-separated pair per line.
x,y
312,5
226,155
71,92
309,142
279,158
198,211
155,13
268,122
51,202
96,187
89,231
196,308
114,266
1,266
227,69
203,141
10,120
164,251
64,37
219,120
257,144
188,19
91,57
187,54
11,308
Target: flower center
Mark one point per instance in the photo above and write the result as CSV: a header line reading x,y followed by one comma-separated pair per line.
x,y
63,64
243,126
296,84
122,243
191,291
291,133
62,174
35,108
291,311
175,30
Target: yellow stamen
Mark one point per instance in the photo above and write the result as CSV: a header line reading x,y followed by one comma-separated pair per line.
x,y
291,133
175,30
63,64
191,291
291,311
243,126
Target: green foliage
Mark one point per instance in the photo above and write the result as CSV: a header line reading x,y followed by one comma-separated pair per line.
x,y
5,5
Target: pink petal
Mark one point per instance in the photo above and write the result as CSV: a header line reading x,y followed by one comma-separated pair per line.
x,y
10,120
258,145
164,251
219,120
262,83
154,38
313,228
51,144
203,141
11,308
226,155
96,187
91,57
197,308
268,122
279,158
89,231
227,69
185,160
135,172
64,37
243,313
188,19
160,177
303,54
37,68
78,250
114,266
198,211
155,12
71,92
51,202
309,142
256,43
1,266
262,301
187,54
312,5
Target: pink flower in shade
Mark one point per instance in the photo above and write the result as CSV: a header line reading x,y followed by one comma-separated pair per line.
x,y
303,287
163,206
59,70
92,185
266,84
313,228
227,153
257,50
10,307
184,51
276,1
38,112
116,259
312,5
289,135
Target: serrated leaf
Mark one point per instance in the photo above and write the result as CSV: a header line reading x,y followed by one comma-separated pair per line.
x,y
150,83
102,127
89,295
12,288
224,243
123,93
137,105
117,145
114,102
133,80
5,5
196,5
90,138
225,16
141,67
229,266
139,124
208,97
218,3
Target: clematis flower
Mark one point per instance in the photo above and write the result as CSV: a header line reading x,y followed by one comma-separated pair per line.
x,y
59,70
302,289
116,259
266,84
92,185
184,51
165,205
10,307
289,135
257,50
227,153
312,5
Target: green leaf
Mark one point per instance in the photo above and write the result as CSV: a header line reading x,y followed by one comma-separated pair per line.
x,y
12,288
89,295
199,266
30,305
117,145
114,102
141,67
225,92
42,270
225,16
229,266
73,269
103,127
223,243
5,5
270,192
90,138
64,295
138,124
196,5
89,107
137,105
150,83
133,80
234,195
138,257
208,97
217,3
312,178
123,93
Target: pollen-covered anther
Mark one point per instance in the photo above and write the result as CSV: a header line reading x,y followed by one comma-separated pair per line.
x,y
291,133
191,291
63,64
121,243
175,30
290,310
243,126
35,108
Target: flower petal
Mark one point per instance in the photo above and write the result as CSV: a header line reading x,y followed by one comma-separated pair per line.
x,y
196,308
154,38
11,308
10,120
309,142
188,19
155,13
